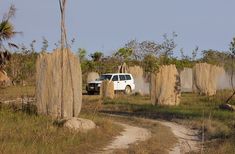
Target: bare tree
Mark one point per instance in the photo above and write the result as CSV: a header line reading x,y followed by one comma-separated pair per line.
x,y
64,43
145,48
232,67
63,28
150,47
168,45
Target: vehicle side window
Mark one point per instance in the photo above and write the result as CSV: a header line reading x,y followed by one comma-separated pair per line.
x,y
128,77
122,77
115,78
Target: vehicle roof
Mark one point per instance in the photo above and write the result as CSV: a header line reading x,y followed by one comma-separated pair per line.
x,y
116,74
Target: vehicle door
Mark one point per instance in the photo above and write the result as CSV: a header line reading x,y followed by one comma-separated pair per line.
x,y
115,80
129,81
122,82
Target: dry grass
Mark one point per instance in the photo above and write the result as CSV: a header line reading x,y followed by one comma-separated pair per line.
x,y
24,133
161,141
198,112
220,147
14,92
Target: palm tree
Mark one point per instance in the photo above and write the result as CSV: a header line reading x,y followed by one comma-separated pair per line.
x,y
7,32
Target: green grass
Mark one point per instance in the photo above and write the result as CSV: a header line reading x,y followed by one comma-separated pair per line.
x,y
192,107
23,133
197,112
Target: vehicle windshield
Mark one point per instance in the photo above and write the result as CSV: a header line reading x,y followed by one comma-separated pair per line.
x,y
105,77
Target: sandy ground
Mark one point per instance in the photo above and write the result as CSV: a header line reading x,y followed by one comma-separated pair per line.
x,y
188,140
129,136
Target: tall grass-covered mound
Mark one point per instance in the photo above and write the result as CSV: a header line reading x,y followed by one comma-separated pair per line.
x,y
59,84
91,76
205,78
141,86
186,80
107,89
164,86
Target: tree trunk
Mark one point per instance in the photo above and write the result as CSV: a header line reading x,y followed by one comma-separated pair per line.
x,y
230,97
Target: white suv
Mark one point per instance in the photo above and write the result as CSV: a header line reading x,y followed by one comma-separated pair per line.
x,y
122,82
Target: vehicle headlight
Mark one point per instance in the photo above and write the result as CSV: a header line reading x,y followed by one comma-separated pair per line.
x,y
99,84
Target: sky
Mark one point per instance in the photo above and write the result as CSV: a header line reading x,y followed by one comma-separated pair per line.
x,y
106,25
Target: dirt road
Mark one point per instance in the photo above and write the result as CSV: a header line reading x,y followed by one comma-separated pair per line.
x,y
129,136
188,140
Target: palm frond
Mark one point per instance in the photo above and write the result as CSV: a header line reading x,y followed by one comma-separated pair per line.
x,y
10,13
12,45
6,30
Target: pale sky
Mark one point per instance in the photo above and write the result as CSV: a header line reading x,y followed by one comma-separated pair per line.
x,y
106,25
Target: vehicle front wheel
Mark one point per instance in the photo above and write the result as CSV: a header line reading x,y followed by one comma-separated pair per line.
x,y
128,90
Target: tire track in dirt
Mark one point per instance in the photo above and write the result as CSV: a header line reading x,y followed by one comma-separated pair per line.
x,y
188,141
130,135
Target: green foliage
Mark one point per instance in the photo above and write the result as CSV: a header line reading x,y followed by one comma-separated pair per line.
x,y
22,66
180,64
214,57
87,66
96,56
134,46
124,53
7,30
193,108
144,48
106,65
82,54
150,63
44,44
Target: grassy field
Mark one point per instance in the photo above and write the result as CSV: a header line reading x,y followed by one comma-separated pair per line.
x,y
24,133
198,112
30,133
162,138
